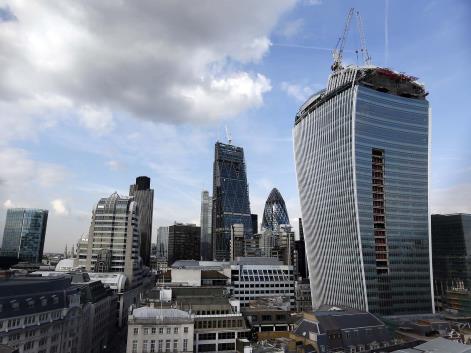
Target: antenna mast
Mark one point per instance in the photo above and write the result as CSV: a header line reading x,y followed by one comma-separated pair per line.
x,y
228,136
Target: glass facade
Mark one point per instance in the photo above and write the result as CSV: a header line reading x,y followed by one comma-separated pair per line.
x,y
451,244
24,234
230,198
275,213
205,222
361,150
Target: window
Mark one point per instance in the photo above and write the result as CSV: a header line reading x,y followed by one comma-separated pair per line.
x,y
134,346
185,344
206,347
185,329
154,330
136,331
207,336
152,346
169,330
146,331
226,347
54,349
144,346
226,335
175,345
160,345
175,330
167,345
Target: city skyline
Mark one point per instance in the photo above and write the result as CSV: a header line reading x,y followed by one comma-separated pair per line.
x,y
56,149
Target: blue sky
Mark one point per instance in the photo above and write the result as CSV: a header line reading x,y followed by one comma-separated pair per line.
x,y
93,97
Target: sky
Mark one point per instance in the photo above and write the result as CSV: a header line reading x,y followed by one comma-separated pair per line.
x,y
94,94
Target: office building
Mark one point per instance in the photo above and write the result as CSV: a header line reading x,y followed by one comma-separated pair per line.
x,y
114,238
160,330
254,223
362,155
237,245
302,289
261,277
205,224
40,314
162,242
24,234
183,242
451,244
274,213
230,198
144,196
300,263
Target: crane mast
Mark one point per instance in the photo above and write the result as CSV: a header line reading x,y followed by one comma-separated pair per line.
x,y
338,51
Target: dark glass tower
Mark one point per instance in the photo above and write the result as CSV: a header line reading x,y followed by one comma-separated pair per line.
x,y
230,198
144,196
183,242
451,244
24,234
275,213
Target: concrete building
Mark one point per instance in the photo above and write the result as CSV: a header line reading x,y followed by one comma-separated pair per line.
x,y
24,234
206,250
144,196
114,239
237,245
268,314
365,212
160,330
302,290
257,277
231,203
183,242
39,314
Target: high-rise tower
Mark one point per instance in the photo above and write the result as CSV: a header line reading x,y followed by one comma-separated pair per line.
x,y
205,223
144,196
114,240
230,198
275,213
24,234
362,154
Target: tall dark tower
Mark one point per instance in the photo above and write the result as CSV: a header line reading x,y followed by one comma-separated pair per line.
x,y
230,197
144,196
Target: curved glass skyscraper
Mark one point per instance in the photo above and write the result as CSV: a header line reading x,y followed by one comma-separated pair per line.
x,y
362,152
275,213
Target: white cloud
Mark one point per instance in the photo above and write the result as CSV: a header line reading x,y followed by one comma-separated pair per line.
x,y
8,204
137,57
299,92
17,169
99,120
291,28
115,165
59,207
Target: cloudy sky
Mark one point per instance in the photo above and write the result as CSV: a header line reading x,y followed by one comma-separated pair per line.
x,y
95,93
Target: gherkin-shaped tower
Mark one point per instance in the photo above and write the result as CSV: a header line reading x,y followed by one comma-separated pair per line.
x,y
275,212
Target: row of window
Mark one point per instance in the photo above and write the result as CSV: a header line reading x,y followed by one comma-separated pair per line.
x,y
153,330
149,346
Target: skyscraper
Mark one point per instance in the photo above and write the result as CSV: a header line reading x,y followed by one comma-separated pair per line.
x,y
183,242
162,241
144,196
451,240
230,198
275,213
205,223
362,152
301,268
114,238
254,223
24,234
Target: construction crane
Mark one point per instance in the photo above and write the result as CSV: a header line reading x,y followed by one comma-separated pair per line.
x,y
338,51
364,50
